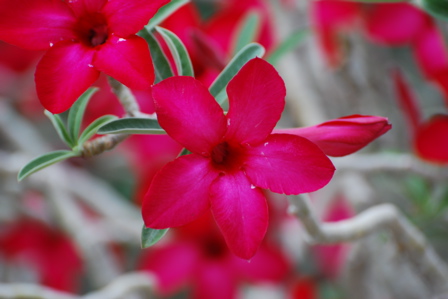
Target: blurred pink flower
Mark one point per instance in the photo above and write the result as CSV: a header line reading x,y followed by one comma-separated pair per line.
x,y
44,250
197,256
82,38
233,156
429,137
331,258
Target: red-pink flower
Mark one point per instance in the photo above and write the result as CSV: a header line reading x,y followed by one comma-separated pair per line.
x,y
196,254
345,135
83,38
233,156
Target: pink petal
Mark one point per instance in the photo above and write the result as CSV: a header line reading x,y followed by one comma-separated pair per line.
x,y
189,114
179,193
82,7
37,24
128,17
214,280
268,264
127,60
63,74
431,52
407,101
431,142
241,212
345,135
173,264
256,101
288,164
394,23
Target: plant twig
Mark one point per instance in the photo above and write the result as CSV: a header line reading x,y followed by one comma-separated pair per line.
x,y
384,216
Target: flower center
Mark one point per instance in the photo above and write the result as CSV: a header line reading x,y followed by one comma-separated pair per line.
x,y
214,247
92,29
228,157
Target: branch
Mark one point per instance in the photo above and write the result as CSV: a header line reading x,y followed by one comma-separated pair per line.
x,y
383,216
391,162
121,287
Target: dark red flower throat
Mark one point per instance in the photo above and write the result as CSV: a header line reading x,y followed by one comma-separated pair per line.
x,y
228,157
92,29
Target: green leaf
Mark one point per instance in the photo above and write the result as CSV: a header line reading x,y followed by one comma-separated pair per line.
x,y
248,31
179,52
76,113
93,128
44,161
60,128
132,126
289,44
218,87
164,12
162,66
437,8
151,236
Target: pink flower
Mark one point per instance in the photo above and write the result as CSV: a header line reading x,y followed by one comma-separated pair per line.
x,y
196,255
32,244
233,156
83,38
343,136
429,137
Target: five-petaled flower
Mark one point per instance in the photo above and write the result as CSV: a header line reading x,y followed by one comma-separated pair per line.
x,y
233,156
83,37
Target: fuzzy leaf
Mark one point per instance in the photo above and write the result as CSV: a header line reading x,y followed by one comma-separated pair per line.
x,y
44,161
58,124
437,8
161,65
218,87
76,113
151,236
164,12
248,30
179,52
132,126
93,128
289,44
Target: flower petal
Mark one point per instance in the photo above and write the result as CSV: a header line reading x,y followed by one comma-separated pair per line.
x,y
82,7
189,113
214,280
241,212
431,142
37,24
173,264
345,135
128,17
63,74
179,193
288,164
394,23
127,60
407,101
256,101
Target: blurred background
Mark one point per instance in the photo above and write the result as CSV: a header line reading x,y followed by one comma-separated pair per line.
x,y
75,226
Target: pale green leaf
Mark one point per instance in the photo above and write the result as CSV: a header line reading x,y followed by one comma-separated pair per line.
x,y
162,66
248,30
60,128
218,87
44,161
76,113
132,126
289,44
151,236
164,12
179,52
93,128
